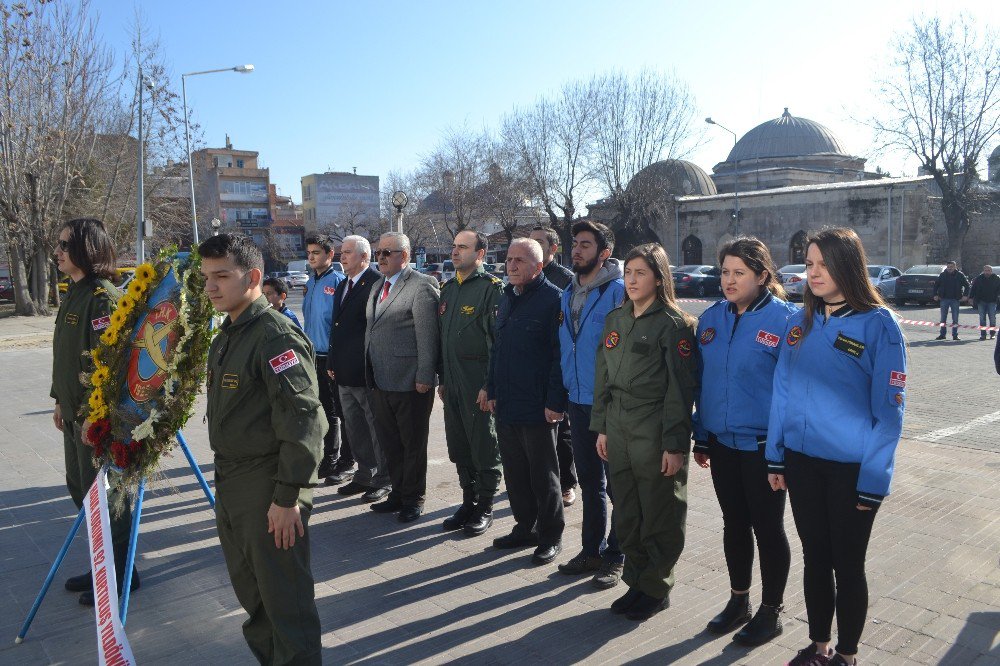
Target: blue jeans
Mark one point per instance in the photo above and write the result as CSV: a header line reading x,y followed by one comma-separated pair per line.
x,y
946,305
987,309
592,474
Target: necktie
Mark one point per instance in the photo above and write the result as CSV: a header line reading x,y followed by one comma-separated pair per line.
x,y
347,292
385,291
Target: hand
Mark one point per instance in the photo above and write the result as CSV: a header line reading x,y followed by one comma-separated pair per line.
x,y
57,417
702,460
491,406
777,481
672,463
602,447
553,417
441,391
862,507
482,401
937,298
331,375
284,523
423,388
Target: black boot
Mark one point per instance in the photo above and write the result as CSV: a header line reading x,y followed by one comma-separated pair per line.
x,y
326,466
764,626
735,614
81,583
120,553
646,607
457,521
481,518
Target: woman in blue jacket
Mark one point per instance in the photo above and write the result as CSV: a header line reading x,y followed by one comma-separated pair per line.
x,y
836,418
740,341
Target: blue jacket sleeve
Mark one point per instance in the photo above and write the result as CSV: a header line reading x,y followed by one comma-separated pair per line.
x,y
699,434
556,395
775,450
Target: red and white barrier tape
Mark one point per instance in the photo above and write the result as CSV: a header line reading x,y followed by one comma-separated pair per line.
x,y
937,324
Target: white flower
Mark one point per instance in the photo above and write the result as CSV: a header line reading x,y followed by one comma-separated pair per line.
x,y
145,429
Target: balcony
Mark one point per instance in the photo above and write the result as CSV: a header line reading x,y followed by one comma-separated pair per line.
x,y
233,172
248,197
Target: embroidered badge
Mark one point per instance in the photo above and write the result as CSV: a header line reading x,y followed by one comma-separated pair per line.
x,y
468,310
767,339
707,335
849,345
561,317
897,379
71,318
230,381
282,362
899,398
611,341
684,348
100,323
329,291
442,308
794,336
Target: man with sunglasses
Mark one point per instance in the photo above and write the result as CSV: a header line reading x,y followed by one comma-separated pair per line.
x,y
401,353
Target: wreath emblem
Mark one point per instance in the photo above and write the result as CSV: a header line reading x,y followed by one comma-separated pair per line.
x,y
684,348
707,335
612,340
794,336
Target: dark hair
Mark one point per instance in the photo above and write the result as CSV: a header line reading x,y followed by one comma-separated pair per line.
x,y
604,237
276,283
551,235
845,260
482,242
90,248
752,252
322,240
656,258
241,249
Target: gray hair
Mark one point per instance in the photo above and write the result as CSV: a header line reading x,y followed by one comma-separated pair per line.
x,y
401,238
361,245
534,248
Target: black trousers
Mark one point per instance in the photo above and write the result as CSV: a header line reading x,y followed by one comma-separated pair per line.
x,y
531,470
402,422
564,452
335,444
834,536
750,507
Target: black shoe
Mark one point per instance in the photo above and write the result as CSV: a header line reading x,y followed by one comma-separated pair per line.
x,y
516,540
87,598
809,657
481,518
992,335
375,494
409,513
735,614
337,477
608,576
646,607
388,506
352,488
81,583
623,603
326,466
764,626
941,337
545,554
954,337
581,564
982,337
459,518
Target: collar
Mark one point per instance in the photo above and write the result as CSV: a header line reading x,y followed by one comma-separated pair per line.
x,y
531,286
254,310
476,273
318,276
763,299
843,311
654,307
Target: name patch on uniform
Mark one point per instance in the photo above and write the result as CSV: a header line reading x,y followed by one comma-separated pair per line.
x,y
442,308
897,379
849,345
707,335
612,340
767,339
794,336
230,381
282,362
684,348
71,318
100,323
329,291
468,310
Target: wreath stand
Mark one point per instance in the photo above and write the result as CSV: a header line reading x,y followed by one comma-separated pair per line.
x,y
133,539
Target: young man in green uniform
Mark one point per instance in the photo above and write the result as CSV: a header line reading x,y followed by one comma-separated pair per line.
x,y
266,427
467,312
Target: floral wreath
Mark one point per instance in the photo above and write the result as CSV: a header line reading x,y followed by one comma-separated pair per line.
x,y
117,437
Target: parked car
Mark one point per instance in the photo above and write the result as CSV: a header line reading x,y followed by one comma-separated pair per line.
x,y
880,275
697,280
6,289
793,279
296,279
499,270
447,270
917,284
434,270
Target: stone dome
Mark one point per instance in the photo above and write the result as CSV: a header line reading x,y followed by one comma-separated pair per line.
x,y
786,136
671,177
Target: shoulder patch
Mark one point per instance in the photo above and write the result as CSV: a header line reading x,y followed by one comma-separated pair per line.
x,y
768,339
612,340
329,291
897,379
283,361
707,336
684,348
100,323
794,335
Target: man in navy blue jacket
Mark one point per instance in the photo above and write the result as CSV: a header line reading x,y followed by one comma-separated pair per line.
x,y
596,289
525,392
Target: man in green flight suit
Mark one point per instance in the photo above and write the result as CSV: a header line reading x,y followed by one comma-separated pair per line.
x,y
467,312
266,427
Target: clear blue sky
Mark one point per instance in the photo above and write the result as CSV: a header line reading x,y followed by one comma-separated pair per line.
x,y
373,85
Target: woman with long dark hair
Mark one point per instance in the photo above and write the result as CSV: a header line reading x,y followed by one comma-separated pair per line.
x,y
85,254
740,341
643,391
836,418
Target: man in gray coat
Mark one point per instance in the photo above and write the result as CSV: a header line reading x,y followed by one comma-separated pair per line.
x,y
401,353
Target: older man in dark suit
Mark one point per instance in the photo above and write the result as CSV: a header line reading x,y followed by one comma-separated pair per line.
x,y
401,352
345,363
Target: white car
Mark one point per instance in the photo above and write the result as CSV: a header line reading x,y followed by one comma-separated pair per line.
x,y
296,279
884,279
793,279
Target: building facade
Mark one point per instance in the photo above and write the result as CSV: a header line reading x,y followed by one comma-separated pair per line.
x,y
340,203
231,186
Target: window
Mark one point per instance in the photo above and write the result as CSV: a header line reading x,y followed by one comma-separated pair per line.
x,y
691,249
215,161
797,248
239,164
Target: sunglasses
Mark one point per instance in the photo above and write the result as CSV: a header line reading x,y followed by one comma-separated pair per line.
x,y
62,245
385,253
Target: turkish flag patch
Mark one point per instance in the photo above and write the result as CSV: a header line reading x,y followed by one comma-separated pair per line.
x,y
897,379
768,339
100,323
283,361
329,291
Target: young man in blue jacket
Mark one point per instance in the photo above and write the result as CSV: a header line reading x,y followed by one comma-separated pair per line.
x,y
596,289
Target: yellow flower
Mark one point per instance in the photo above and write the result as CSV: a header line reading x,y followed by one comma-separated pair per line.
x,y
96,400
109,337
136,289
144,273
126,303
100,376
117,319
98,413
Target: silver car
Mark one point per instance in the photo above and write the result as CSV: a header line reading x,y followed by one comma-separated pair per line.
x,y
793,279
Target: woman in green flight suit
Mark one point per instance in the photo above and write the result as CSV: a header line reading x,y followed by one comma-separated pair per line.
x,y
643,393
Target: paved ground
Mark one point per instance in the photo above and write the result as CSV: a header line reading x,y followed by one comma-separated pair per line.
x,y
391,594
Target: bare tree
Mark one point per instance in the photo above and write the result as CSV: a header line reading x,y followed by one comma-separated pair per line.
x,y
943,106
502,197
450,176
418,215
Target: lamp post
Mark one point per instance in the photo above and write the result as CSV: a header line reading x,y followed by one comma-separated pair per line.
x,y
140,210
242,69
216,223
399,200
736,174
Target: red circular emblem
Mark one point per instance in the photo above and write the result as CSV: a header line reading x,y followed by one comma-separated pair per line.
x,y
794,336
152,348
707,335
684,348
611,341
442,308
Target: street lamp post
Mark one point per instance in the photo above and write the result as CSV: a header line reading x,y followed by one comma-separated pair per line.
x,y
243,69
216,223
736,174
140,214
399,200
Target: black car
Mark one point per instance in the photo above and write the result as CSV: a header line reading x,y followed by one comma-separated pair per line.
x,y
917,284
697,280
